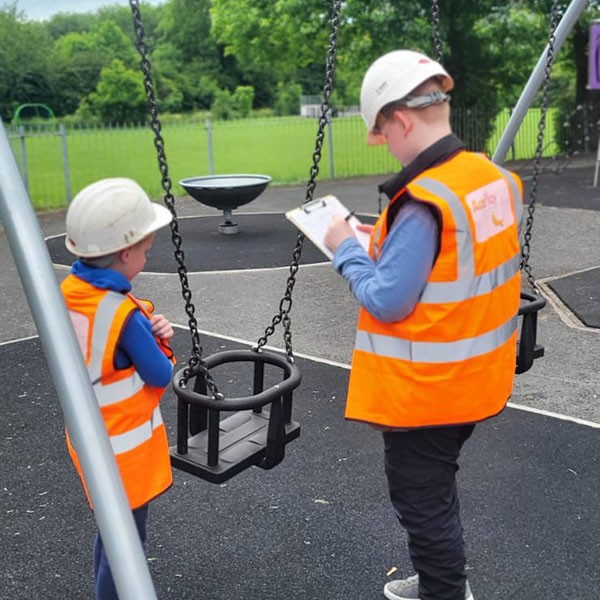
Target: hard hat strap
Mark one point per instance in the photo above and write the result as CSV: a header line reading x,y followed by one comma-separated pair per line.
x,y
436,97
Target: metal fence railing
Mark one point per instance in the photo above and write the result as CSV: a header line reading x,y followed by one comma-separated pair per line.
x,y
56,161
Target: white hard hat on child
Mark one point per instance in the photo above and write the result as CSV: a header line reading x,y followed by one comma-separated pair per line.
x,y
110,215
394,76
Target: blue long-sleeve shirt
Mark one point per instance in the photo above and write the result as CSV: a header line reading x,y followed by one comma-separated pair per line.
x,y
137,345
390,288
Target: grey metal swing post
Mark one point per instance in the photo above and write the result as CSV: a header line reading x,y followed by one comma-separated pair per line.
x,y
78,401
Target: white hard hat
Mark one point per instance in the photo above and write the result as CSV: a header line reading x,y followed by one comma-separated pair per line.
x,y
109,215
394,76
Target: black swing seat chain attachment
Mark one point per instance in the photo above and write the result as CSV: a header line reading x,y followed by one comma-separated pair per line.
x,y
207,446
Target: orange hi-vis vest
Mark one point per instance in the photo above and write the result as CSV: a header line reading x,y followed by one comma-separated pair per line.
x,y
129,406
452,360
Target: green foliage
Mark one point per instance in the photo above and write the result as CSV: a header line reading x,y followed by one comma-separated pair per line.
x,y
173,102
119,96
287,101
223,106
62,24
112,43
277,47
243,97
276,37
26,51
509,61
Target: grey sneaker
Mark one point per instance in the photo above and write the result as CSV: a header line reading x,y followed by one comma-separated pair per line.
x,y
408,589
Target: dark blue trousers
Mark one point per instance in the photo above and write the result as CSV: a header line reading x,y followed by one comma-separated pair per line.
x,y
103,580
421,466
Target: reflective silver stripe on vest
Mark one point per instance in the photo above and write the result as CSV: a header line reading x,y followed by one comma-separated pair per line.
x,y
456,291
516,194
129,440
435,352
119,390
464,242
376,250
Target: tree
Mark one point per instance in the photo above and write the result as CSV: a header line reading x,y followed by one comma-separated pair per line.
x,y
243,97
510,62
63,23
25,62
120,95
223,105
271,37
110,40
187,57
288,99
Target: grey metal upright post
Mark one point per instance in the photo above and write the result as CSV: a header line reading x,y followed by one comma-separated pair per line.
x,y
597,167
82,414
211,162
24,157
65,153
330,142
530,91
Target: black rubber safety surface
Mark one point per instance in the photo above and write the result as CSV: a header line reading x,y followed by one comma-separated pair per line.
x,y
570,188
263,241
581,293
318,526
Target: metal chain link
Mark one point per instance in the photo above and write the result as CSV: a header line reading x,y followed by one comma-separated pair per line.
x,y
437,32
285,305
526,248
195,364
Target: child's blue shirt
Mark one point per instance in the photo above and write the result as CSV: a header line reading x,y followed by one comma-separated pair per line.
x,y
390,288
137,345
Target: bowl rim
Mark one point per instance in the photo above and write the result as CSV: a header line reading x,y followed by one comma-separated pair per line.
x,y
191,181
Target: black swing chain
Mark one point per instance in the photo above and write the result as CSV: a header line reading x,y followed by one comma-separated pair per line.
x,y
195,364
526,248
437,33
285,305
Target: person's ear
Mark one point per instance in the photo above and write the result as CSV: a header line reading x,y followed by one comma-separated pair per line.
x,y
405,119
124,255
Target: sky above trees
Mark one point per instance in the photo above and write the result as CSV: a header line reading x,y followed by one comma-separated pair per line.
x,y
44,9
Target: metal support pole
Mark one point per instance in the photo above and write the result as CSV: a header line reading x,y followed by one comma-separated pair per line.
x,y
24,157
80,408
513,149
65,153
211,162
597,164
530,91
330,141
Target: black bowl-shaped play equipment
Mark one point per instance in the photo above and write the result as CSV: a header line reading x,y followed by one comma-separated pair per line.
x,y
225,192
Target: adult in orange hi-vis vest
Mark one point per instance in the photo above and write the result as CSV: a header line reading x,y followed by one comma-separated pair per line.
x,y
110,228
439,291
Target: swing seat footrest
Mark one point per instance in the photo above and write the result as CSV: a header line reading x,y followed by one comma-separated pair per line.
x,y
242,443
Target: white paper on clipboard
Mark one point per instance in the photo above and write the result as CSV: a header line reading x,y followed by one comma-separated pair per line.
x,y
313,220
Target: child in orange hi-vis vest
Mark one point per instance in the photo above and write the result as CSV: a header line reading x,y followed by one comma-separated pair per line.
x,y
110,228
439,290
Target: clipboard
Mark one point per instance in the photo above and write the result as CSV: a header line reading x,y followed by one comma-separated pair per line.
x,y
313,220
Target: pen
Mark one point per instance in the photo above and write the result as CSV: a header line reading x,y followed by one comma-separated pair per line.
x,y
349,216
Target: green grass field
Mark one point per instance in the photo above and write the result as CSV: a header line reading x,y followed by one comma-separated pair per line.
x,y
279,147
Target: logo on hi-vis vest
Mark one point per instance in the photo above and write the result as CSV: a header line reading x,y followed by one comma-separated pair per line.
x,y
491,209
